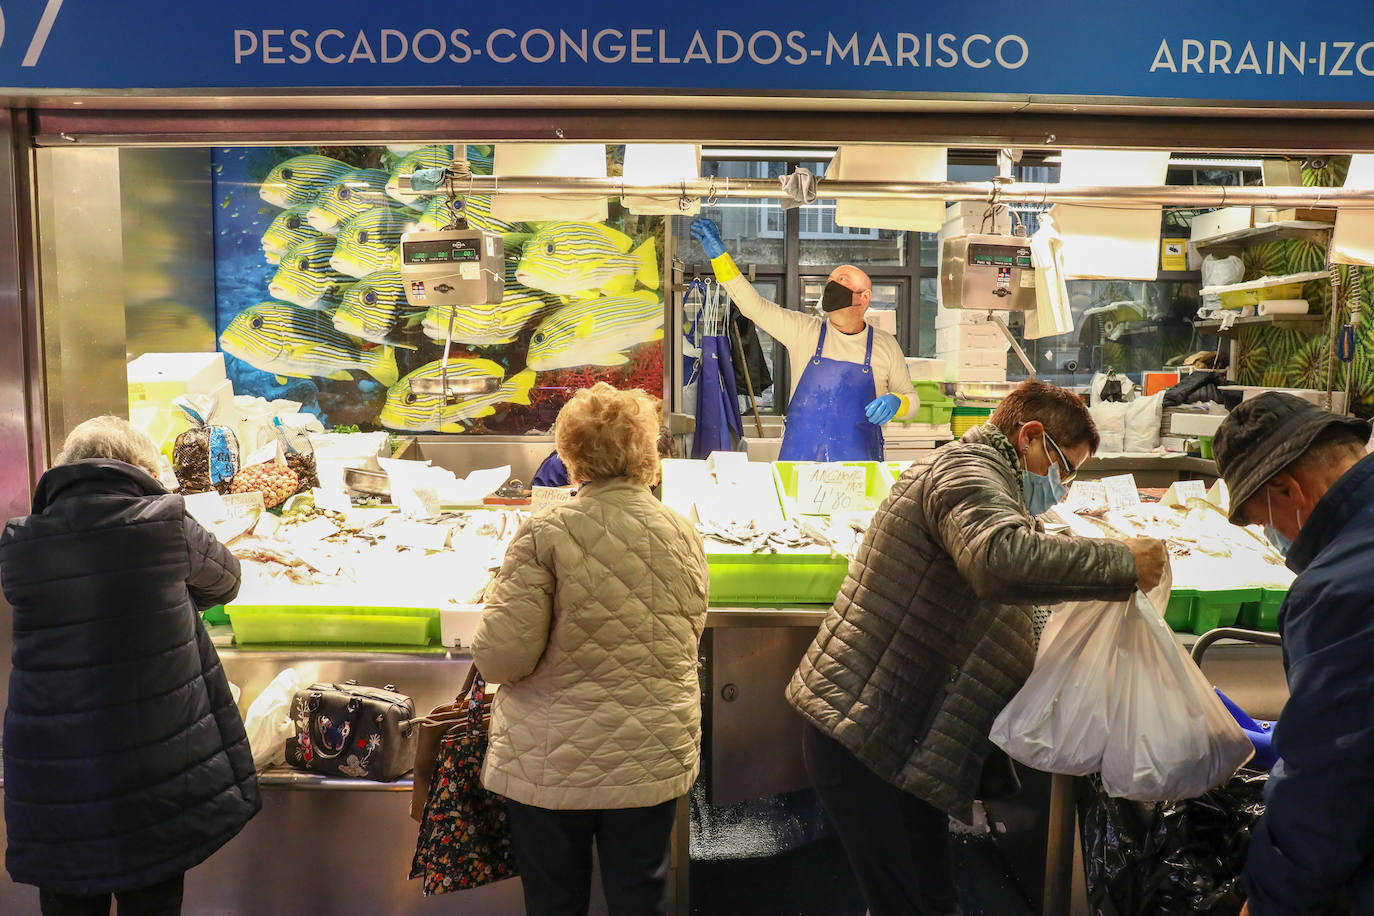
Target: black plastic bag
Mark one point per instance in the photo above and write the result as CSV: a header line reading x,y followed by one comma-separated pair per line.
x,y
1168,857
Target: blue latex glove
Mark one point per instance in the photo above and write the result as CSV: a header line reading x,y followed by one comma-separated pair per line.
x,y
883,408
428,179
705,231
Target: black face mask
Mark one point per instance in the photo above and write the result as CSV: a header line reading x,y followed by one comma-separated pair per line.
x,y
836,296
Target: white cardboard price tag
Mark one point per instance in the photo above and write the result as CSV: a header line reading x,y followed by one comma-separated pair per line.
x,y
823,489
546,497
1088,494
1121,491
1183,490
317,529
207,508
265,455
331,500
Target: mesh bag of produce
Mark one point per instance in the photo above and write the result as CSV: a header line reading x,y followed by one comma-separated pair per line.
x,y
276,482
300,456
204,457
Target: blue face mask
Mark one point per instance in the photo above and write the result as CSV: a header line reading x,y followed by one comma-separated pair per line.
x,y
1042,491
1276,537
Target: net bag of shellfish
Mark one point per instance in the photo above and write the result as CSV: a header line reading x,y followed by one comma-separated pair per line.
x,y
206,456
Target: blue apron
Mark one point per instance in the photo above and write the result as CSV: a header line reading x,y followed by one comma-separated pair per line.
x,y
825,419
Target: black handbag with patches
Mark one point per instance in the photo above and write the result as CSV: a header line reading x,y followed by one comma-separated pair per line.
x,y
347,730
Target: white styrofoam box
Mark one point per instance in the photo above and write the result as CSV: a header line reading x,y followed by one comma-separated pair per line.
x,y
924,369
971,336
975,358
1220,222
1307,394
765,449
1183,423
976,375
949,318
458,624
164,376
902,453
883,320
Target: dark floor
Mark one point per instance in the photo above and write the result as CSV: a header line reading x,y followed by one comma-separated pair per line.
x,y
815,880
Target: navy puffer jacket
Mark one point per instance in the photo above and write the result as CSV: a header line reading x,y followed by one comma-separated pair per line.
x,y
125,759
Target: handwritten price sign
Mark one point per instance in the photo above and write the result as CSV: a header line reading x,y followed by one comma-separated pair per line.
x,y
824,489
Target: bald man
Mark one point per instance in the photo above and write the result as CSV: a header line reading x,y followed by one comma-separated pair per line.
x,y
848,377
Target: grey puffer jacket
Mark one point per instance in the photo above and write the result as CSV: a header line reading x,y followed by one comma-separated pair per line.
x,y
923,647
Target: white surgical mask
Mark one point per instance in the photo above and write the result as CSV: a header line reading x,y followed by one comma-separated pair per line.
x,y
1276,537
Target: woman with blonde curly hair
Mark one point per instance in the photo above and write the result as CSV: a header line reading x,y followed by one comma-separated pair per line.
x,y
592,630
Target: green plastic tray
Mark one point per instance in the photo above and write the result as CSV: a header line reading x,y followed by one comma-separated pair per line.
x,y
1212,608
1264,613
775,579
1179,615
933,411
216,616
877,484
929,391
330,625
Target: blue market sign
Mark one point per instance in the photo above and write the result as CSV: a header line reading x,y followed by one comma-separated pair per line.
x,y
1251,51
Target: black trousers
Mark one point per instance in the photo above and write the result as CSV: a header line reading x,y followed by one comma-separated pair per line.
x,y
159,900
554,852
897,845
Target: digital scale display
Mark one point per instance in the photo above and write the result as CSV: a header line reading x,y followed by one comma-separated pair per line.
x,y
999,256
442,251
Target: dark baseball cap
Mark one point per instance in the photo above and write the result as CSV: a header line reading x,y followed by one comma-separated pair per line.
x,y
1266,434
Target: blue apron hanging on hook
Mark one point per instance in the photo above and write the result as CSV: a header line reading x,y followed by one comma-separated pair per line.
x,y
718,420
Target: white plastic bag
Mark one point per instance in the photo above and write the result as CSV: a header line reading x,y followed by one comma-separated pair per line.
x,y
1143,418
1171,737
268,722
1058,721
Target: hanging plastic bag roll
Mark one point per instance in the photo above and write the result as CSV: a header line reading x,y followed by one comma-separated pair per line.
x,y
1283,307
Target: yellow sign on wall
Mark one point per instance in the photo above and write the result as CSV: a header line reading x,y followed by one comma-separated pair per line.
x,y
1173,254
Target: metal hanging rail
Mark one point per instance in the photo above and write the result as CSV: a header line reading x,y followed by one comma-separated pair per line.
x,y
709,189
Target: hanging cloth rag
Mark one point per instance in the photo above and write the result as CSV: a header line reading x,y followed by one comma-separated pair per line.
x,y
1052,315
719,425
754,361
798,188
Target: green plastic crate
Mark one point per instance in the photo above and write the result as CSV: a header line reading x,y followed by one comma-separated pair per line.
x,y
1264,613
1220,607
933,411
775,579
928,391
216,616
1179,614
330,625
877,483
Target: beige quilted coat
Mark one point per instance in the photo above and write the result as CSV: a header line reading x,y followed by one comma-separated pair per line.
x,y
592,632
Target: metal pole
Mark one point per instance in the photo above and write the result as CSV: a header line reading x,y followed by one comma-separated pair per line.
x,y
1014,192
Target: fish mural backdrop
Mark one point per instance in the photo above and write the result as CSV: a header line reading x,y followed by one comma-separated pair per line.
x,y
311,306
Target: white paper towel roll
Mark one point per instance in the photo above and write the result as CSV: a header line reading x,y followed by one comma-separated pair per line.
x,y
1118,242
890,163
1283,307
1353,240
538,160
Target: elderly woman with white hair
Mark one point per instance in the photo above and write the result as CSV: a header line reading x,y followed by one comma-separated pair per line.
x,y
592,630
125,759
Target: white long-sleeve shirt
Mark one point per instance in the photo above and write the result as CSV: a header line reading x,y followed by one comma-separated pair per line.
x,y
800,333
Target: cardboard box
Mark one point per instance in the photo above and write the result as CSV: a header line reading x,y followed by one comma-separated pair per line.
x,y
976,375
950,318
1306,214
1220,222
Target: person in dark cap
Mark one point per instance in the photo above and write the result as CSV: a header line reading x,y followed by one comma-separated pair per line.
x,y
1303,474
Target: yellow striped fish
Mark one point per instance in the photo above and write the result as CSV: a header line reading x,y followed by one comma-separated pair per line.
x,y
279,338
406,410
490,326
348,196
477,211
582,259
372,307
300,179
285,230
594,331
370,242
424,157
304,276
